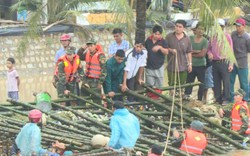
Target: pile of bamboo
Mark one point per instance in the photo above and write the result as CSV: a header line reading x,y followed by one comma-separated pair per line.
x,y
155,125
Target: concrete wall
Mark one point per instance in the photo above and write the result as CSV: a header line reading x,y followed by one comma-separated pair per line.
x,y
36,66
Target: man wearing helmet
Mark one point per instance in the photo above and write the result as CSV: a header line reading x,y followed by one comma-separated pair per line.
x,y
65,40
28,140
193,141
68,72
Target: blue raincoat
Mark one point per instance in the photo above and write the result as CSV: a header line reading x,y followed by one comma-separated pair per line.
x,y
125,129
29,140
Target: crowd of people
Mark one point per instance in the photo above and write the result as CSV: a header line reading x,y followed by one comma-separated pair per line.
x,y
188,58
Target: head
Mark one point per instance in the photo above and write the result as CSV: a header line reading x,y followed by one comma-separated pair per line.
x,y
118,105
240,24
194,25
117,33
139,45
70,53
199,30
156,149
91,44
239,95
222,23
10,62
157,32
197,126
119,56
65,40
35,116
180,26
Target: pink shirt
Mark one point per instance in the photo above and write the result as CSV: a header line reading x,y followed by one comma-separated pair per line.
x,y
215,49
12,81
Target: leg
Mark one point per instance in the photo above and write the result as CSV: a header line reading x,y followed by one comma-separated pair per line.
x,y
243,78
201,77
150,79
190,78
226,81
232,81
217,82
131,86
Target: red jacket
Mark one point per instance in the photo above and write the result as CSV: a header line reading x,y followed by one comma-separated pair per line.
x,y
236,118
93,67
195,142
69,69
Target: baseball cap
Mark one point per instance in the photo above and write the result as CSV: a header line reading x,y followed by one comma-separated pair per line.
x,y
221,22
70,50
91,41
240,22
194,24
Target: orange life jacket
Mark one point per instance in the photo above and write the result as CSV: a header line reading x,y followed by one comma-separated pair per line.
x,y
236,119
93,67
195,142
69,69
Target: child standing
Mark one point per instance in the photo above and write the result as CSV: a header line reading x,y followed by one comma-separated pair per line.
x,y
12,79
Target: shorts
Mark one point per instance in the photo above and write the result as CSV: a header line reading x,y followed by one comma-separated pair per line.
x,y
209,82
13,95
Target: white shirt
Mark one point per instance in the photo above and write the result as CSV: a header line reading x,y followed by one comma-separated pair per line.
x,y
12,81
133,63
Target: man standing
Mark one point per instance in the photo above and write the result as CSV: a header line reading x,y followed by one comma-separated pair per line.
x,y
136,61
68,71
180,56
119,43
125,128
65,40
115,69
221,67
95,72
157,49
241,46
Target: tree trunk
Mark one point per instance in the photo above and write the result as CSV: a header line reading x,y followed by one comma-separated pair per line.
x,y
141,7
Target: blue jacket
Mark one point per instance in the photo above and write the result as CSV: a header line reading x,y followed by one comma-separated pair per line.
x,y
125,129
29,140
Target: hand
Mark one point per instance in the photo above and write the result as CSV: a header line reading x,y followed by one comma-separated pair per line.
x,y
176,134
174,51
230,68
189,68
221,112
111,94
99,86
156,48
66,92
124,87
86,85
140,81
210,56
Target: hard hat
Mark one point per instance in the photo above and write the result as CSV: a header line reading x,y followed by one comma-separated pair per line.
x,y
197,125
221,22
98,141
194,24
65,37
35,115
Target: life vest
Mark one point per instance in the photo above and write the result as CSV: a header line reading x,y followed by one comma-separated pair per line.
x,y
93,67
69,69
195,142
236,119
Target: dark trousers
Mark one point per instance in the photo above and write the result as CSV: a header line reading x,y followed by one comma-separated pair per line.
x,y
198,72
131,84
221,77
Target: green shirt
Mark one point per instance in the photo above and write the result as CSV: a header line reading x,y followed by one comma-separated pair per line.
x,y
201,61
114,75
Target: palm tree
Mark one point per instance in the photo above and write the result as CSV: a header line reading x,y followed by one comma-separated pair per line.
x,y
141,8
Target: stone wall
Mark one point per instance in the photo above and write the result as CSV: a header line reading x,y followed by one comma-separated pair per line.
x,y
36,65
